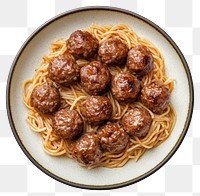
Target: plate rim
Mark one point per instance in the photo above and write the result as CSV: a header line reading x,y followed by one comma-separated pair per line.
x,y
116,185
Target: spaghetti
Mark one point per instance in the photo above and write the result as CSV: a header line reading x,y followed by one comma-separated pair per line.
x,y
72,96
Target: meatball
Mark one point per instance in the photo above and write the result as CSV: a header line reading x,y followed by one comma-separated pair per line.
x,y
140,60
96,109
112,137
125,86
86,149
45,98
94,77
67,124
137,122
113,51
155,96
63,70
82,44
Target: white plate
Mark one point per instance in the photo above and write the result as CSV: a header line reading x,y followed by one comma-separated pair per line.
x,y
67,170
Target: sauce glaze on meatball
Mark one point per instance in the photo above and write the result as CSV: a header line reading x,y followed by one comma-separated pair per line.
x,y
81,44
96,109
140,60
155,96
67,124
113,51
86,149
112,137
63,70
94,77
125,86
45,98
137,122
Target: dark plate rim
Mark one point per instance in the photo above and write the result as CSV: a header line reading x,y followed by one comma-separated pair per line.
x,y
122,184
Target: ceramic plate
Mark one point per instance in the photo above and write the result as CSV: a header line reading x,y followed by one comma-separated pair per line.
x,y
67,170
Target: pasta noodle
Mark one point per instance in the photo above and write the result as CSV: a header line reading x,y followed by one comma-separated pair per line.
x,y
72,96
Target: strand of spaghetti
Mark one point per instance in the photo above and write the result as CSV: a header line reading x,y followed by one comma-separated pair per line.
x,y
76,100
140,153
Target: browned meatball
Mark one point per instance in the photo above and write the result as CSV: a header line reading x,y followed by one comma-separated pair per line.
x,y
45,98
63,70
67,124
140,60
82,44
155,96
96,109
113,51
112,137
137,122
94,77
125,86
87,150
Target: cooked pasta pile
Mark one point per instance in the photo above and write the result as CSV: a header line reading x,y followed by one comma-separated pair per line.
x,y
72,96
